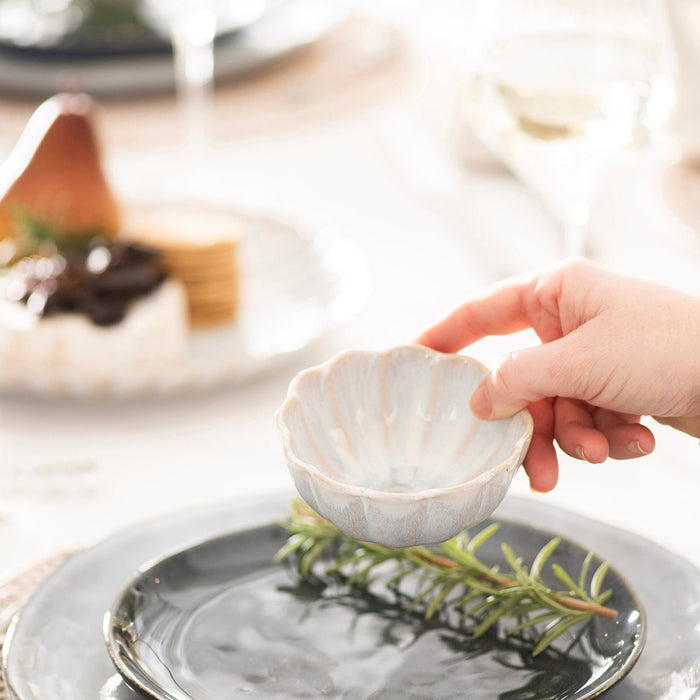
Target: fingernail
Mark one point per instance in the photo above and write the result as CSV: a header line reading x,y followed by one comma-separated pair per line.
x,y
578,450
480,404
636,448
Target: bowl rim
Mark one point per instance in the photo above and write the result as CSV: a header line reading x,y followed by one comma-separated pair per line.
x,y
518,451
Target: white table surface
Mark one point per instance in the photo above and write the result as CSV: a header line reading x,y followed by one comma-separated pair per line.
x,y
389,177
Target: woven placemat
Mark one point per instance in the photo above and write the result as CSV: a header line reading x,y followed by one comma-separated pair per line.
x,y
359,62
15,593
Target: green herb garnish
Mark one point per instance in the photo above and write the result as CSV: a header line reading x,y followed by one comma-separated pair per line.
x,y
451,576
37,234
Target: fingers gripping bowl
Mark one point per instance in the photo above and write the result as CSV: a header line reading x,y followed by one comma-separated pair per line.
x,y
385,446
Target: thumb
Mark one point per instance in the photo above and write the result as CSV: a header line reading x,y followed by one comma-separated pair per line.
x,y
525,376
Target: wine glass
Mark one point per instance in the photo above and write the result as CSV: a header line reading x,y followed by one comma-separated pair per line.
x,y
561,87
192,26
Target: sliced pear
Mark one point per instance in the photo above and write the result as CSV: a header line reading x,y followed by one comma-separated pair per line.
x,y
54,174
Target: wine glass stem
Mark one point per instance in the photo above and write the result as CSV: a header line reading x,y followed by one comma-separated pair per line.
x,y
193,36
575,220
575,236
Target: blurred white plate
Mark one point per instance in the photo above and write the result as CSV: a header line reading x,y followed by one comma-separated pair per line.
x,y
285,27
296,286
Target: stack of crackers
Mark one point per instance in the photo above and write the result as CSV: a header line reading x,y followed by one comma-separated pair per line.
x,y
201,250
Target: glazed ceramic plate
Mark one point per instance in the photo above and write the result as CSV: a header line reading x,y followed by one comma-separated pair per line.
x,y
296,287
286,26
55,648
221,620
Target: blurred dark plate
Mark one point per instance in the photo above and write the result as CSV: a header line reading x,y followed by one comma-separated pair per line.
x,y
143,64
89,29
221,619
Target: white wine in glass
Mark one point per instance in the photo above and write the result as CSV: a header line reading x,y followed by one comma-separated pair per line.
x,y
560,93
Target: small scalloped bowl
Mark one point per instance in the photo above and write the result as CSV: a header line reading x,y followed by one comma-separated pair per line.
x,y
385,446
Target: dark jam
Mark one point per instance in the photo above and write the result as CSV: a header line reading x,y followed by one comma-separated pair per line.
x,y
99,281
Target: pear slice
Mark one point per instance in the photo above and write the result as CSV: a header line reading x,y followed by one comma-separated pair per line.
x,y
54,174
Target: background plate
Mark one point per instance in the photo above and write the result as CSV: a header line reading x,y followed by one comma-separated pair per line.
x,y
286,27
219,620
103,28
296,286
55,648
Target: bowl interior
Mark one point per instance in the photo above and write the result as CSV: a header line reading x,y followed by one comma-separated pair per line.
x,y
396,421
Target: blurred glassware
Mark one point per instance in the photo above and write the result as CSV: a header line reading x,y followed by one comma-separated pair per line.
x,y
192,27
561,87
684,23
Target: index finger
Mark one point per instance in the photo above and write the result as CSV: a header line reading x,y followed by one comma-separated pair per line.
x,y
499,310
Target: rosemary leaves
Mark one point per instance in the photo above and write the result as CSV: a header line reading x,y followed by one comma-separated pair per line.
x,y
452,576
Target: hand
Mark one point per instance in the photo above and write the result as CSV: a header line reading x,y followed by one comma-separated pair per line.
x,y
613,348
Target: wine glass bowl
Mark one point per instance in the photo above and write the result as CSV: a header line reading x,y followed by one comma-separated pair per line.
x,y
385,446
561,87
229,15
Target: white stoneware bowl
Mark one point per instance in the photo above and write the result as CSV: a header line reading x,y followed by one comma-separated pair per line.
x,y
385,446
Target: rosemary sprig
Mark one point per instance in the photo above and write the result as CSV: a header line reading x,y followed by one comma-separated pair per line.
x,y
451,576
38,234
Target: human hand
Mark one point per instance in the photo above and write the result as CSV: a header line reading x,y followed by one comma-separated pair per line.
x,y
613,348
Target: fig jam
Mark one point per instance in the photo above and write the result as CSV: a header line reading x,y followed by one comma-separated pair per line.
x,y
99,281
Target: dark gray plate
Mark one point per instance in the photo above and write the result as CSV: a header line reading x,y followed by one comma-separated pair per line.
x,y
287,26
220,620
55,648
106,28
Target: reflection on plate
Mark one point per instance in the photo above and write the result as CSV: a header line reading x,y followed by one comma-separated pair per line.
x,y
285,27
55,648
220,620
295,288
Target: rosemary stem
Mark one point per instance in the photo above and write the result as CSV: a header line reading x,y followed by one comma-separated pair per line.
x,y
567,601
587,606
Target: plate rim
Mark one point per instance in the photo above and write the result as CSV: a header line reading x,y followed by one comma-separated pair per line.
x,y
163,694
252,513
